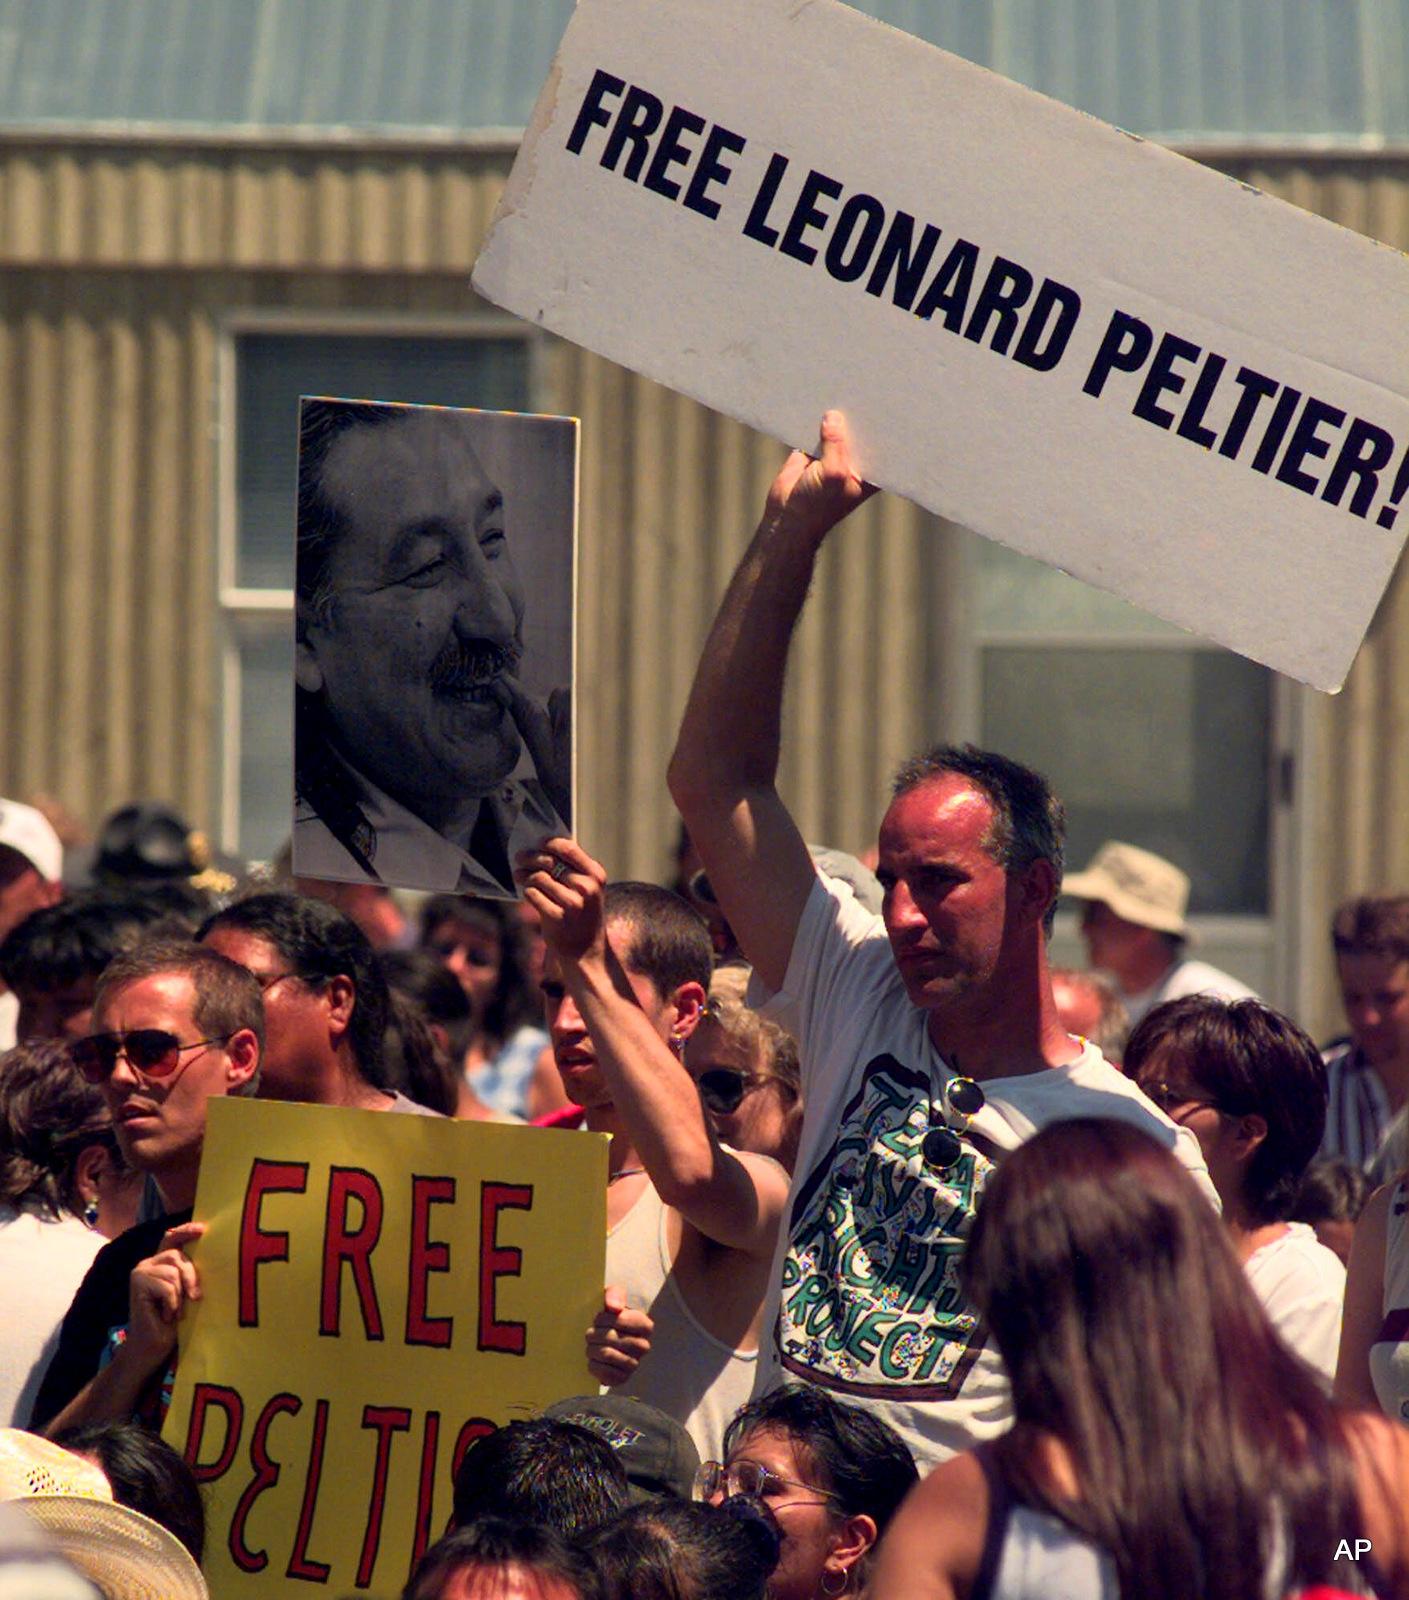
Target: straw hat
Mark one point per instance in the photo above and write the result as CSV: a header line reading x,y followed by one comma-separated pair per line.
x,y
127,1555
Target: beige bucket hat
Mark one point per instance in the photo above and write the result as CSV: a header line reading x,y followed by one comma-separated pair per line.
x,y
1136,884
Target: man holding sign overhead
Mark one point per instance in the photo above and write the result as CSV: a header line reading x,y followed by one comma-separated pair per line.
x,y
930,1039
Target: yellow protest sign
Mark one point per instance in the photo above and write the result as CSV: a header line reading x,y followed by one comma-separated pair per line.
x,y
377,1291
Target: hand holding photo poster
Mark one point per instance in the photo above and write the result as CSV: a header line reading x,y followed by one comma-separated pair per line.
x,y
376,1293
1071,340
434,650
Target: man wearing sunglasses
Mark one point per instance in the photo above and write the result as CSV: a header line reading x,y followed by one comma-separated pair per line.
x,y
930,1040
691,1226
176,1026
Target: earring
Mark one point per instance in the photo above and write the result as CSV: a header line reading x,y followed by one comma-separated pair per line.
x,y
839,1572
90,1211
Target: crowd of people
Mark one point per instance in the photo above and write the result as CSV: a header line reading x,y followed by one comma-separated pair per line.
x,y
930,1270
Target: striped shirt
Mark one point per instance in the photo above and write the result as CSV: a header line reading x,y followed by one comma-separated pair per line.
x,y
1358,1111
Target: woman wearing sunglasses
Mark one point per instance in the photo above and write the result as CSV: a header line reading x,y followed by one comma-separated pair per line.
x,y
1166,1445
747,1072
828,1474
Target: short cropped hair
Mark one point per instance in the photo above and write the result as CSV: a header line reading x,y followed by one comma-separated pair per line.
x,y
541,1470
320,943
1029,822
228,997
670,941
1374,925
498,1542
1247,1058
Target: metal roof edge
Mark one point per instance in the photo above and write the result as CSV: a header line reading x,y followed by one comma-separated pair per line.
x,y
1199,146
1204,146
250,136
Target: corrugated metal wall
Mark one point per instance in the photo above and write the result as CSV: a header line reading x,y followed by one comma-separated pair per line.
x,y
116,275
1356,835
105,611
117,265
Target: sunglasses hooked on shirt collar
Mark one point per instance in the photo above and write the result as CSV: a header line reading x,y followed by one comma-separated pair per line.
x,y
153,1052
961,1100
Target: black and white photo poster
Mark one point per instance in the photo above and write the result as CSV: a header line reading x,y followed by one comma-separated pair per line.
x,y
434,642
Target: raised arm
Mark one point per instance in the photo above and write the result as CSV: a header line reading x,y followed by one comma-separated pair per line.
x,y
724,772
735,1200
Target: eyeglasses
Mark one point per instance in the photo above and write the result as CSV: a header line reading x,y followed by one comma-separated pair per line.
x,y
151,1051
267,980
1171,1100
961,1100
723,1088
752,1479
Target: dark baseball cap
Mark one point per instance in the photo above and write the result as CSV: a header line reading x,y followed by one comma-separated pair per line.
x,y
659,1456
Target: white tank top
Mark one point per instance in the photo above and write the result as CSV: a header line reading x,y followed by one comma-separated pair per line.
x,y
689,1374
1389,1355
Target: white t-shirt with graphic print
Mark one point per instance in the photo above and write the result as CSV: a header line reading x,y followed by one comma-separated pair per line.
x,y
865,1293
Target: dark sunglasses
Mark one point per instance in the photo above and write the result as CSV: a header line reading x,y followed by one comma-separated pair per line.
x,y
151,1051
723,1088
961,1100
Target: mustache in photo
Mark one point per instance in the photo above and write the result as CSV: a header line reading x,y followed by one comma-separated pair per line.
x,y
472,663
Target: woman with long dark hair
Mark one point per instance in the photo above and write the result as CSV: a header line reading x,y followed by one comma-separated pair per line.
x,y
1166,1444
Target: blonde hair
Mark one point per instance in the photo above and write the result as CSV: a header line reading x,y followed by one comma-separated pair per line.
x,y
771,1046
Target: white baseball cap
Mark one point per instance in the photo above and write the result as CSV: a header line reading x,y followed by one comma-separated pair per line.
x,y
29,832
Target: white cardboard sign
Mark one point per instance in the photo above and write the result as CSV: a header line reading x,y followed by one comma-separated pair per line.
x,y
1073,341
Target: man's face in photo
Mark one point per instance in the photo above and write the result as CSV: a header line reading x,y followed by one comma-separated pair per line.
x,y
424,613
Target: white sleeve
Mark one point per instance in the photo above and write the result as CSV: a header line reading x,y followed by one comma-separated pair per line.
x,y
1302,1289
839,962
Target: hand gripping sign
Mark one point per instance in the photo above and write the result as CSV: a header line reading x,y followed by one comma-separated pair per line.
x,y
1071,340
377,1291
